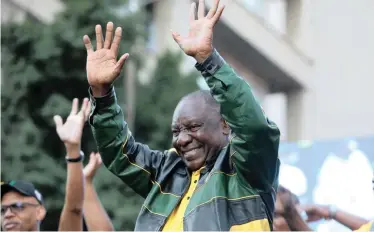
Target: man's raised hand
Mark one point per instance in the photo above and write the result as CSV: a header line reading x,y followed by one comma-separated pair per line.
x,y
102,65
198,43
90,170
70,132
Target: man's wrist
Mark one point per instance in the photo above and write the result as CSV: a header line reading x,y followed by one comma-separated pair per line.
x,y
88,180
98,103
332,210
201,58
78,159
100,91
73,150
211,64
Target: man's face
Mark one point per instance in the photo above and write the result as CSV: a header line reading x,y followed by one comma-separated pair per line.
x,y
198,132
20,213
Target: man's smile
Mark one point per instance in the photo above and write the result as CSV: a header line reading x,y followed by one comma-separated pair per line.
x,y
192,154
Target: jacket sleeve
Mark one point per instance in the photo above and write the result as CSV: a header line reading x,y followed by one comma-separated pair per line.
x,y
134,163
254,139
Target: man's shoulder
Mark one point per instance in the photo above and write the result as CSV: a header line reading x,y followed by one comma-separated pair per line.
x,y
172,155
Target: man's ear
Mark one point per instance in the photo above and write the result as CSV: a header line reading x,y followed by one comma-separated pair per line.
x,y
41,213
225,127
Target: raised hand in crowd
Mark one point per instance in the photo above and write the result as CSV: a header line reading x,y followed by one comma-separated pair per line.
x,y
102,65
198,42
70,133
95,215
93,165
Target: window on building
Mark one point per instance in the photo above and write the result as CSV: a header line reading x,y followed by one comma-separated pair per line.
x,y
276,15
255,6
151,28
273,12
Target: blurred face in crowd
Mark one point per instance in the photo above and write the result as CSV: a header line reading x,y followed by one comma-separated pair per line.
x,y
198,131
20,213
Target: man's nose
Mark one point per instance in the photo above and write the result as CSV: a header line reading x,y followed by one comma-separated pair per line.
x,y
183,139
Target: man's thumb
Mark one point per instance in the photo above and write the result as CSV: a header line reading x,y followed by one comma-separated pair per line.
x,y
176,36
58,121
121,62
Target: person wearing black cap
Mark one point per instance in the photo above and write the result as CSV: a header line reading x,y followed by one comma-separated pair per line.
x,y
22,206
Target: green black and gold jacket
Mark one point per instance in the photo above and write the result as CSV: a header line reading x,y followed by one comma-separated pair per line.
x,y
236,191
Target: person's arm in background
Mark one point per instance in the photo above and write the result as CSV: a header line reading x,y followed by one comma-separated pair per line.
x,y
318,212
70,133
95,215
295,221
291,214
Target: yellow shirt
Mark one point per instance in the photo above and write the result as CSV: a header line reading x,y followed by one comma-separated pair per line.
x,y
175,220
366,227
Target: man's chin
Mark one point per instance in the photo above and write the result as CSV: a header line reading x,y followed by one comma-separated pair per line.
x,y
194,165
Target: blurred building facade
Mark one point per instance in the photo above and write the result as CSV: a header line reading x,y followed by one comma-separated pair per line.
x,y
308,61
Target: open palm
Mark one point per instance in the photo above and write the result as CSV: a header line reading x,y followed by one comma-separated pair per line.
x,y
102,65
70,132
198,43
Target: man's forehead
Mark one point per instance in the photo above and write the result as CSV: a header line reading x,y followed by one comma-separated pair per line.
x,y
191,102
13,196
189,108
185,120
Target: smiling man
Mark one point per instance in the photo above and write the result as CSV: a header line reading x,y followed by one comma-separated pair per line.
x,y
222,173
199,132
21,207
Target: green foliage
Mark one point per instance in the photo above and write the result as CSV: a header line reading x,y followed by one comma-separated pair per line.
x,y
43,69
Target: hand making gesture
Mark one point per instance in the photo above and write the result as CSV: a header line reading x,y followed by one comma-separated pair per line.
x,y
93,165
70,132
198,43
102,65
